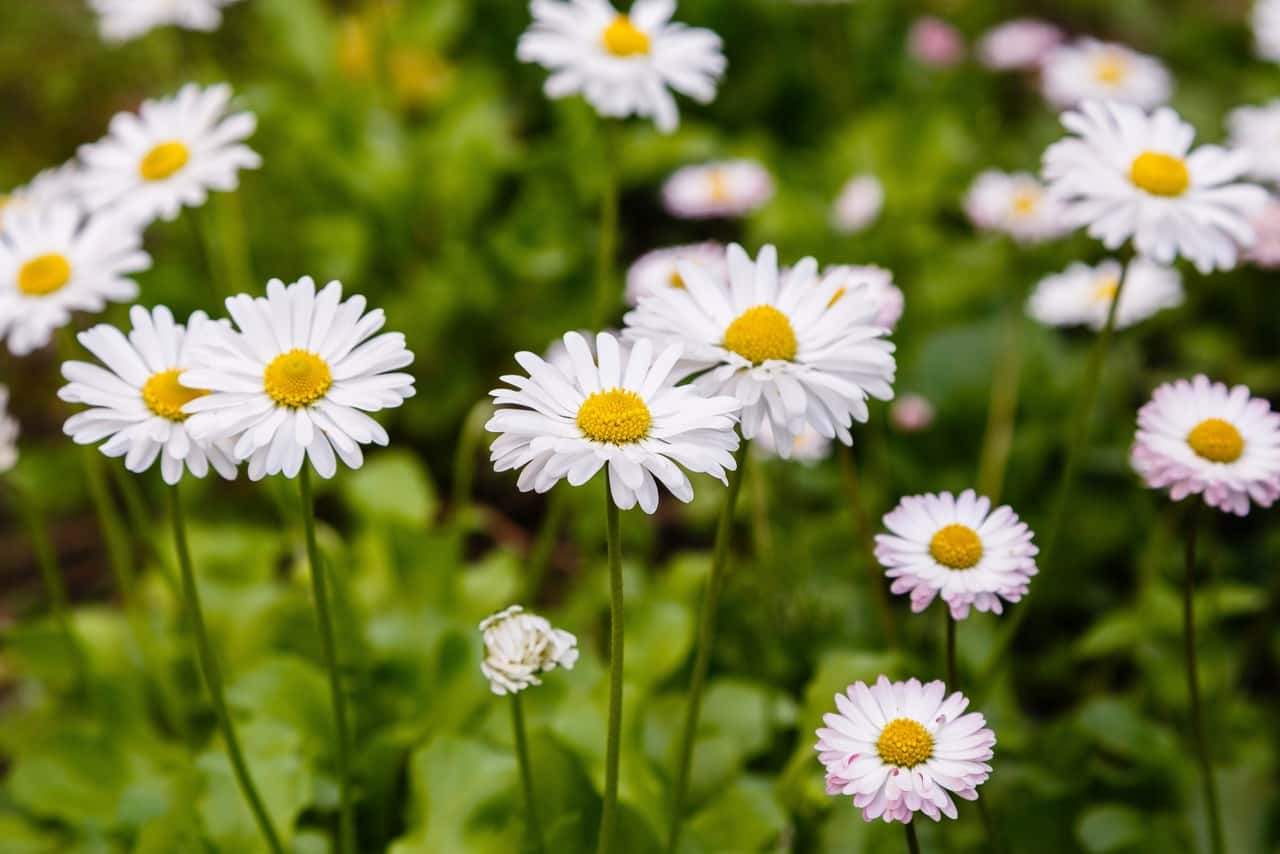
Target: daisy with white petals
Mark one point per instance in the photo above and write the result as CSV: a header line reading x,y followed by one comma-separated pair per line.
x,y
8,433
808,447
859,204
1014,203
1082,295
122,20
518,646
870,282
1018,45
59,185
731,188
1266,29
656,270
1256,131
1092,70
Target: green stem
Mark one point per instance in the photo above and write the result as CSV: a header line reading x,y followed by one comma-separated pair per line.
x,y
913,844
526,775
119,553
953,680
140,521
609,814
998,439
862,526
607,248
1193,688
544,544
213,675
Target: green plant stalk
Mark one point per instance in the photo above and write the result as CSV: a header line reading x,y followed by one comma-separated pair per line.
x,y
913,844
119,552
607,248
862,526
532,822
613,744
997,441
953,677
544,543
139,516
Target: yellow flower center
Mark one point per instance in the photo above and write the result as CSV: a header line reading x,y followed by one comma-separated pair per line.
x,y
1216,440
904,743
761,334
956,547
163,160
676,281
617,416
44,274
1111,69
622,38
1025,202
1160,174
165,396
718,187
297,378
1105,290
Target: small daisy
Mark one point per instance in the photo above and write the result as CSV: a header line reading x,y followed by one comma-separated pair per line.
x,y
1125,174
873,283
1015,204
912,413
1089,70
122,20
899,748
54,261
1265,252
170,154
1201,438
1256,131
623,64
731,188
808,446
137,401
8,433
859,204
617,409
1018,45
957,548
1266,29
792,349
934,43
295,379
1082,295
518,646
656,270
57,186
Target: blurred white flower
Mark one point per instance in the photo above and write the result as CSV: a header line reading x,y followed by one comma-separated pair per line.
x,y
859,204
656,270
1015,204
870,282
935,43
1265,252
518,646
1266,29
1256,131
1088,69
730,188
58,185
9,430
912,413
1018,45
122,20
1082,294
808,446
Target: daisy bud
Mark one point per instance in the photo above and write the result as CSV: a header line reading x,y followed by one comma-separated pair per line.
x,y
518,646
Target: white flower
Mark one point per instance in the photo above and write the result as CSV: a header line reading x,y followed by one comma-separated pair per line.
x,y
122,20
809,446
296,378
957,548
792,349
1088,70
656,270
623,64
616,409
137,401
859,204
1265,252
1256,131
912,413
59,185
1018,45
730,188
1266,29
1081,295
519,646
170,154
899,748
1201,438
9,430
1128,174
54,261
873,283
1015,204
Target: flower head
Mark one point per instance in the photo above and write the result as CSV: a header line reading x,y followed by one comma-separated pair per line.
x,y
1089,70
1018,45
912,413
1265,252
518,646
731,188
870,282
935,43
122,20
1016,204
9,430
59,185
656,271
1082,295
1255,130
1266,29
859,204
808,446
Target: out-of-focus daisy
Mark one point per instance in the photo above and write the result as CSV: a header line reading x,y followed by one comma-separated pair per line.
x,y
1081,295
1266,29
137,401
1265,252
54,261
1018,45
624,64
1126,174
1197,437
122,20
730,188
1256,131
899,748
911,413
56,186
871,282
8,433
1015,204
1088,70
935,43
296,378
518,646
656,270
859,204
170,154
808,446
792,349
959,549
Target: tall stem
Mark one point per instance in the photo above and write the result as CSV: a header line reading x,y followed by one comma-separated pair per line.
x,y
1193,688
213,675
607,248
533,824
913,844
862,526
953,679
119,552
998,439
609,814
140,520
544,543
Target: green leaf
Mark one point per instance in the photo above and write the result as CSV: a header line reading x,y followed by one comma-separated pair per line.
x,y
392,487
1110,827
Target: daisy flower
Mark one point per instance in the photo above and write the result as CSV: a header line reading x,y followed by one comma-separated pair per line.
x,y
1089,70
136,402
809,446
912,413
1255,131
1266,29
656,270
8,433
1201,438
624,64
731,188
1265,252
957,548
617,409
1015,204
295,378
873,283
859,204
56,186
54,261
170,154
1126,174
792,349
1018,45
122,20
934,43
518,646
1082,295
899,748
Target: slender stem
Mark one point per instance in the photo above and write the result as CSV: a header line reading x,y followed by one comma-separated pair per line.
x,y
862,524
346,826
706,640
464,464
607,248
609,814
913,844
544,544
140,520
997,442
119,553
532,821
1193,688
760,528
213,675
953,680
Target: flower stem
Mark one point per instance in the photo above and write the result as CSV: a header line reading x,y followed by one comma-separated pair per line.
x,y
913,844
119,552
544,543
953,679
862,524
135,508
213,675
526,775
609,814
998,438
346,824
706,640
607,248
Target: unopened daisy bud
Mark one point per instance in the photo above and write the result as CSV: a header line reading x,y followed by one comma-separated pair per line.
x,y
122,20
935,43
1018,45
1015,204
657,270
1092,70
518,646
8,433
1082,295
859,204
912,413
727,189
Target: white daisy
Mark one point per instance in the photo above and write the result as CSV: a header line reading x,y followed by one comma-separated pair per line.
x,y
624,64
122,20
873,283
1018,45
54,261
137,401
957,548
1266,29
59,185
1082,295
1265,252
794,351
912,413
170,154
656,270
899,748
731,188
859,204
518,646
1088,70
1125,174
1256,131
616,409
296,378
1014,203
808,446
1201,438
8,433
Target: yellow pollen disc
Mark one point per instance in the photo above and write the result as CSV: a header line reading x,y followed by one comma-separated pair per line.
x,y
1216,440
956,547
622,38
1025,203
760,334
904,743
675,281
617,416
1160,174
44,274
1111,69
163,160
1106,289
297,378
718,186
165,396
